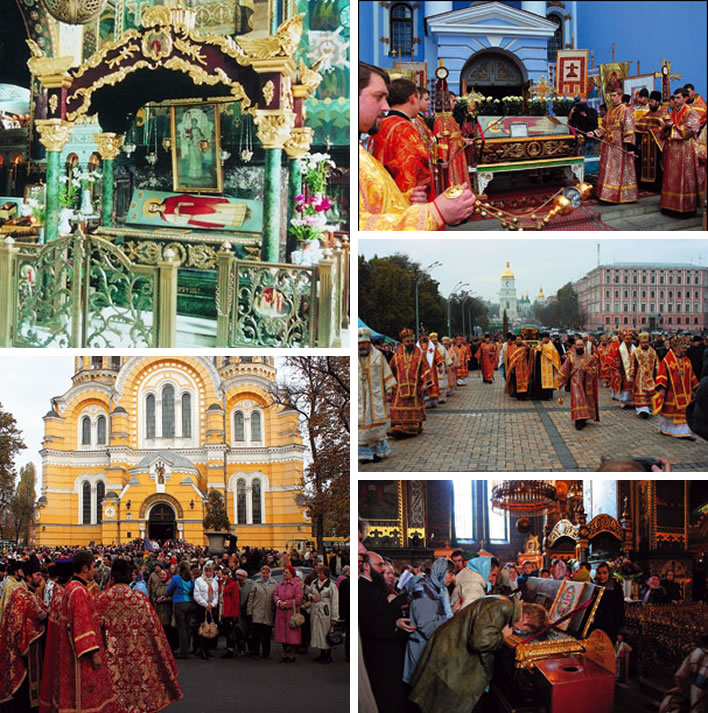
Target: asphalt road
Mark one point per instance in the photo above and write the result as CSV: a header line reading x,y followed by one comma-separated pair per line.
x,y
230,685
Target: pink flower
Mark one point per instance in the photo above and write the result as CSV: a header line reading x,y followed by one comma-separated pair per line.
x,y
300,197
325,204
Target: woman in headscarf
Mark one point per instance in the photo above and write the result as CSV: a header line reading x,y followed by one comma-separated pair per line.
x,y
206,597
474,581
287,597
429,608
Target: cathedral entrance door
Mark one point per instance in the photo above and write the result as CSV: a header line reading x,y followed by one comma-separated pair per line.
x,y
162,523
495,73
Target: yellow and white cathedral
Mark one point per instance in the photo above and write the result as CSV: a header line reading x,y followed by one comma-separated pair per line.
x,y
131,449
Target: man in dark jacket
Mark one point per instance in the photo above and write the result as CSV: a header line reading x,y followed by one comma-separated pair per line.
x,y
695,355
456,665
609,616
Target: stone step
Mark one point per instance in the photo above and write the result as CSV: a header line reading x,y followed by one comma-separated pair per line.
x,y
630,699
650,204
654,221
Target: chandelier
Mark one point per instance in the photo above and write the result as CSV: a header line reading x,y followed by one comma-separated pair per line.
x,y
523,498
74,12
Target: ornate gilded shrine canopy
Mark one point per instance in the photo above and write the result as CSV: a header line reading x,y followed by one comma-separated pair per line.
x,y
166,59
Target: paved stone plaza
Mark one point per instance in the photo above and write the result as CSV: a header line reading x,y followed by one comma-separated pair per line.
x,y
482,429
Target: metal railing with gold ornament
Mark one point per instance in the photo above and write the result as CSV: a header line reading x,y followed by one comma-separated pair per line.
x,y
280,304
83,291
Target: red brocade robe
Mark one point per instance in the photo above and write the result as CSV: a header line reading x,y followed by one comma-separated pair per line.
x,y
22,626
581,371
140,661
51,648
602,352
462,351
520,360
399,147
698,105
487,357
617,177
644,365
677,377
679,190
75,687
450,146
412,377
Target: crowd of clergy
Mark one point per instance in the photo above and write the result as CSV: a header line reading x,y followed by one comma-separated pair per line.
x,y
414,166
650,376
82,630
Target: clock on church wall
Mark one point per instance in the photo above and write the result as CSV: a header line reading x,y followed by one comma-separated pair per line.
x,y
110,511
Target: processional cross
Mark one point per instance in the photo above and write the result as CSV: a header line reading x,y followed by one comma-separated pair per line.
x,y
542,90
666,77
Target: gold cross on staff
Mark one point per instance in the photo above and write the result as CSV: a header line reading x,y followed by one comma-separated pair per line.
x,y
666,77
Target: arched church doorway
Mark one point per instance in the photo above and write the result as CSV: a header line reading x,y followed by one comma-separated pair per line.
x,y
495,73
162,522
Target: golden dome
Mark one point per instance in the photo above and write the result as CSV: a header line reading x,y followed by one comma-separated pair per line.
x,y
540,296
507,272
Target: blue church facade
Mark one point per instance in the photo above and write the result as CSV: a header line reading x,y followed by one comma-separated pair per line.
x,y
499,46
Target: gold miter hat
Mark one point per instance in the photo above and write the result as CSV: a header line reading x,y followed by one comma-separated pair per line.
x,y
433,335
364,334
643,337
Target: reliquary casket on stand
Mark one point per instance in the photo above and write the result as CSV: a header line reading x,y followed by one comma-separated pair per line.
x,y
564,669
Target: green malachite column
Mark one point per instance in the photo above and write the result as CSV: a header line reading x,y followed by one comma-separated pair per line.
x,y
294,189
53,133
51,218
272,206
109,145
107,193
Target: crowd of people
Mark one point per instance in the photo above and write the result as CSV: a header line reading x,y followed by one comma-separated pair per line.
x,y
414,169
102,627
654,375
429,631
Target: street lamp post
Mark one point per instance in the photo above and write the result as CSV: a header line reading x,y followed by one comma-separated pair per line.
x,y
449,300
464,301
424,272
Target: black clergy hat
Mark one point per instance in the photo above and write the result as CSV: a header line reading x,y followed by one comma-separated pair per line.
x,y
30,565
656,96
63,568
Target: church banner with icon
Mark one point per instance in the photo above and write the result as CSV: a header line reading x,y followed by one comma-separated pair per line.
x,y
612,76
571,72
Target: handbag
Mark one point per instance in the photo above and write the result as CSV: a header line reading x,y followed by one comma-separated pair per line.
x,y
208,629
335,636
296,618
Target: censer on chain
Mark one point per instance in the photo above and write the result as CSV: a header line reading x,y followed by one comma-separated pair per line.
x,y
565,201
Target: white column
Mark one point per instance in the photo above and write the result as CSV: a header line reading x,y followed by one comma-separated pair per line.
x,y
94,517
534,6
574,11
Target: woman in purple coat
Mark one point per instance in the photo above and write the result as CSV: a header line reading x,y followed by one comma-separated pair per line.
x,y
287,595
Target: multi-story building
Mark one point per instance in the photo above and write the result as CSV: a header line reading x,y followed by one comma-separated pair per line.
x,y
135,444
645,296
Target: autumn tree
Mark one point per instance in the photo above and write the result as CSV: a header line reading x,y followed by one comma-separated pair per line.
x,y
11,444
317,388
565,311
23,507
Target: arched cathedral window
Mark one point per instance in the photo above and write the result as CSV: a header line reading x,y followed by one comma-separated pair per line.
x,y
401,29
556,42
100,494
150,416
256,431
86,503
168,411
85,431
101,431
256,502
241,501
239,426
186,415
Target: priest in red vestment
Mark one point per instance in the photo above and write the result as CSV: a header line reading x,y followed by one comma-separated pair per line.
x,y
413,377
580,369
487,357
519,360
602,352
696,102
426,135
80,680
617,177
679,190
398,144
675,384
20,632
462,351
434,359
644,365
651,142
140,661
451,143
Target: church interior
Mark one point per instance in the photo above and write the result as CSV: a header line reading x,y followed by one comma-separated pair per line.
x,y
652,535
174,173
